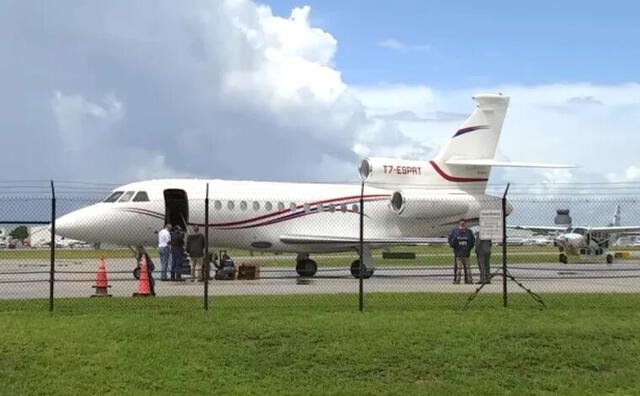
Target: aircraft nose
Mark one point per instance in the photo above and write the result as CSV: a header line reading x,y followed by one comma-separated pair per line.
x,y
74,225
66,225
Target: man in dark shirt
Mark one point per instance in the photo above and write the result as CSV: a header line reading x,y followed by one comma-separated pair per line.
x,y
177,253
195,250
461,241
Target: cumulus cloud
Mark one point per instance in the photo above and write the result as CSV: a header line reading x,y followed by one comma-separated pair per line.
x,y
81,121
227,89
397,45
630,174
210,89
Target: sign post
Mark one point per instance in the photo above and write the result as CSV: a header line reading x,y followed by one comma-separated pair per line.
x,y
491,225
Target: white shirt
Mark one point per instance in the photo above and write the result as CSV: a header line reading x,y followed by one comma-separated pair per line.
x,y
164,237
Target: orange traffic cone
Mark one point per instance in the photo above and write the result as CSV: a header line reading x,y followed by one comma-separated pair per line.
x,y
101,285
144,285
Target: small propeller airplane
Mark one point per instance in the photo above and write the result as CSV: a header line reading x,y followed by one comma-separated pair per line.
x,y
585,243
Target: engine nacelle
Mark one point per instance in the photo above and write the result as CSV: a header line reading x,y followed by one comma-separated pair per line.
x,y
394,171
415,204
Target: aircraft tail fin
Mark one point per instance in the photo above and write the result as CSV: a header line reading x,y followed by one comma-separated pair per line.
x,y
478,135
476,139
470,152
615,222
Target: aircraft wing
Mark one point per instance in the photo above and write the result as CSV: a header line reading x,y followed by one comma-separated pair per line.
x,y
616,229
539,229
354,241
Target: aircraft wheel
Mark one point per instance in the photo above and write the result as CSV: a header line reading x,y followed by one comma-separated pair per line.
x,y
609,259
563,258
136,272
306,268
355,271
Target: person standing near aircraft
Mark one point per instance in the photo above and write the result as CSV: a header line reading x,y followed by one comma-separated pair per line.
x,y
195,250
164,239
461,241
483,256
177,253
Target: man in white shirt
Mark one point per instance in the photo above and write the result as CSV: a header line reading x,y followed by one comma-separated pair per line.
x,y
164,240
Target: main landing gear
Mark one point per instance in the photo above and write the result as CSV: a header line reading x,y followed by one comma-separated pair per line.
x,y
305,267
355,270
564,259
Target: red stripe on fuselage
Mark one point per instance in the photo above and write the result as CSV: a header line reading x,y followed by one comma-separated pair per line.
x,y
235,223
454,178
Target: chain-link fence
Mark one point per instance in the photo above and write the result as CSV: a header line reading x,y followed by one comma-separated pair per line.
x,y
358,245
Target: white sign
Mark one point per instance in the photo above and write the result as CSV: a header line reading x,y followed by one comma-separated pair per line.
x,y
491,225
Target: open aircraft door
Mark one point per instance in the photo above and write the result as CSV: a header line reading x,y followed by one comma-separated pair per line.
x,y
176,206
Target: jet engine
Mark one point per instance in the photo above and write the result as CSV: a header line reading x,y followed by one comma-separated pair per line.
x,y
416,204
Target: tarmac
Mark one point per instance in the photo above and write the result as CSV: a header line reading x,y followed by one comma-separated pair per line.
x,y
29,279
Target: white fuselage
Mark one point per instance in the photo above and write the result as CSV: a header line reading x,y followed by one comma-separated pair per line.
x,y
579,241
256,215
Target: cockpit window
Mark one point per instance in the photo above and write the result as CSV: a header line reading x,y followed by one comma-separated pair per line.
x,y
114,196
127,196
141,196
580,231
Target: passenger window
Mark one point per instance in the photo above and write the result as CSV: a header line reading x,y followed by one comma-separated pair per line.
x,y
230,205
306,207
280,206
256,205
332,208
268,206
114,196
127,196
217,205
355,208
141,196
293,206
243,205
343,208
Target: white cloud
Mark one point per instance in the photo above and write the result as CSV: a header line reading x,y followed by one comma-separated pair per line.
x,y
400,46
80,120
630,174
211,89
227,89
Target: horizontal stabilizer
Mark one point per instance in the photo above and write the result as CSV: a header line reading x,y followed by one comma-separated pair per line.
x,y
493,162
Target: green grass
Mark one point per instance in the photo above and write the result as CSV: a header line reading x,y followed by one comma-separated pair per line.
x,y
437,255
401,344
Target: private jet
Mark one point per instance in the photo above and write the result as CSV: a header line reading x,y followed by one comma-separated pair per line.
x,y
406,202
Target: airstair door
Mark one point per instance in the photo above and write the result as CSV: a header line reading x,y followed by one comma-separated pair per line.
x,y
176,207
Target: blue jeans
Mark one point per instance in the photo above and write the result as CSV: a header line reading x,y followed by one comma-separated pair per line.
x,y
164,261
177,257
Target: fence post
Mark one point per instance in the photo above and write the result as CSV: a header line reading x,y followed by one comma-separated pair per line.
x,y
205,264
361,253
52,255
504,247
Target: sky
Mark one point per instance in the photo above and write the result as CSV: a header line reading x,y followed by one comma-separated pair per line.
x,y
302,90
